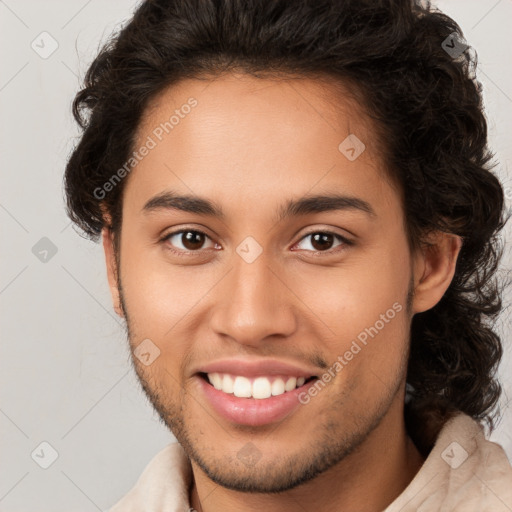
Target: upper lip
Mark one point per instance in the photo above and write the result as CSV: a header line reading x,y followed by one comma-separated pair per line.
x,y
261,367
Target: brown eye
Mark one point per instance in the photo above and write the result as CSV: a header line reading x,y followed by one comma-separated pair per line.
x,y
322,241
190,239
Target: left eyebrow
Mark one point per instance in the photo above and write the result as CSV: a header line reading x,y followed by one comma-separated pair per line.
x,y
305,205
323,203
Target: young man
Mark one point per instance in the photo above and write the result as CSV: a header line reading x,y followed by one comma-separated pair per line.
x,y
299,220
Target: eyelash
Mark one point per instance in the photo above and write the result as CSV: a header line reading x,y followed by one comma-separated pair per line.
x,y
180,252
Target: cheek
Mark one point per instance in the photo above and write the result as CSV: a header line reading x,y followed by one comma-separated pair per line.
x,y
158,299
158,295
363,303
353,297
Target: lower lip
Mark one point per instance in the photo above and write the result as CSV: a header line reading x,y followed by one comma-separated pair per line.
x,y
252,411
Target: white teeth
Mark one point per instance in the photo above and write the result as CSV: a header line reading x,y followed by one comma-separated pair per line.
x,y
227,383
259,388
242,387
215,380
278,387
291,383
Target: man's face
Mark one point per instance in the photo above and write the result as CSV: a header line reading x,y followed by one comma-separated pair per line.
x,y
256,289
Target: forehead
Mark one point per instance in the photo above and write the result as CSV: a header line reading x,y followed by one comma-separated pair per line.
x,y
246,137
237,105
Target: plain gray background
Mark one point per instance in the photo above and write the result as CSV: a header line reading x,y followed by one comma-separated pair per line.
x,y
65,373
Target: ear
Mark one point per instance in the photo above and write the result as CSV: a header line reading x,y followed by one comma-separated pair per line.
x,y
112,269
434,268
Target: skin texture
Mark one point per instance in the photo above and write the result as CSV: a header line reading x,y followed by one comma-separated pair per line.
x,y
250,145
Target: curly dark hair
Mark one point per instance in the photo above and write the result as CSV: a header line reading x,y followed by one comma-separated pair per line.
x,y
427,109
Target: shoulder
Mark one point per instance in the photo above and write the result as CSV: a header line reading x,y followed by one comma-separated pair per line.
x,y
464,471
164,483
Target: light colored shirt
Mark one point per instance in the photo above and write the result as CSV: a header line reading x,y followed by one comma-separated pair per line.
x,y
464,472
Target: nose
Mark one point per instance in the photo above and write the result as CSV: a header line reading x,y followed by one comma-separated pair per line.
x,y
254,303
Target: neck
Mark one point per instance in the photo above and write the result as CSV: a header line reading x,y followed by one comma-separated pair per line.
x,y
368,479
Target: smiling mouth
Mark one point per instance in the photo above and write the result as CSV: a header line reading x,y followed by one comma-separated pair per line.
x,y
257,388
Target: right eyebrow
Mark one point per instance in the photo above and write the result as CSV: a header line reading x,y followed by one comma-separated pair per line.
x,y
170,200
